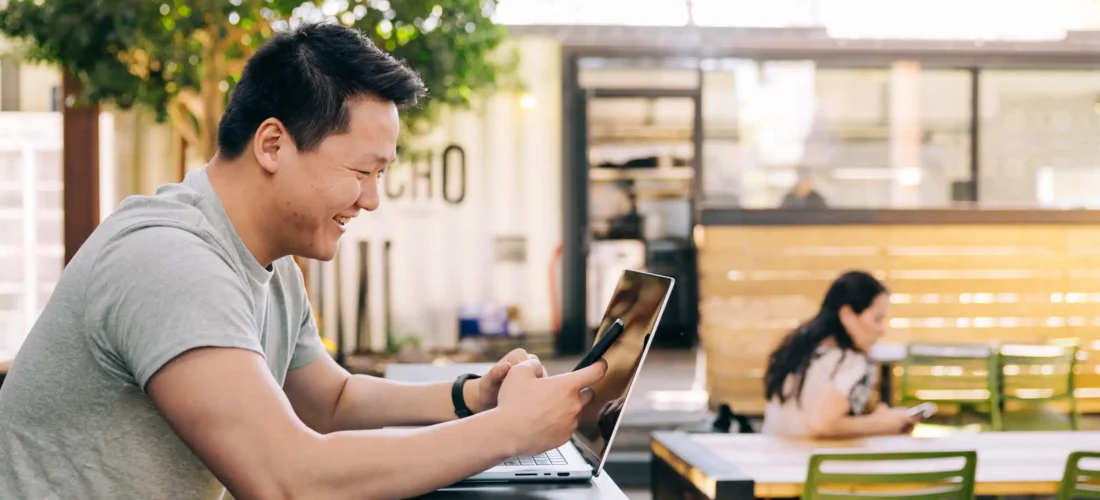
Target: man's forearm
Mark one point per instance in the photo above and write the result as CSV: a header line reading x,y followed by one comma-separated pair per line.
x,y
384,464
371,403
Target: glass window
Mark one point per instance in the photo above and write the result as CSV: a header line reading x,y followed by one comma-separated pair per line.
x,y
30,220
641,146
1038,138
650,73
795,133
593,12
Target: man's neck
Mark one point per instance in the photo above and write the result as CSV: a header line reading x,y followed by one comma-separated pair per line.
x,y
235,184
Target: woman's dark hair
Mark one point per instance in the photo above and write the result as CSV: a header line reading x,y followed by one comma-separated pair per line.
x,y
857,289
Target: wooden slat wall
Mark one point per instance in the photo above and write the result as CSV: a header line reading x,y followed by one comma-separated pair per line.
x,y
949,282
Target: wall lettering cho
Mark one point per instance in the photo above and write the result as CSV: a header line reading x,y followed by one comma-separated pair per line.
x,y
426,174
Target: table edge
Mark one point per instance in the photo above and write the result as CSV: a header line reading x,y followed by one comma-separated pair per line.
x,y
712,475
1020,488
704,469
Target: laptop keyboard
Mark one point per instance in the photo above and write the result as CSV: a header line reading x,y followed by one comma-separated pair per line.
x,y
552,457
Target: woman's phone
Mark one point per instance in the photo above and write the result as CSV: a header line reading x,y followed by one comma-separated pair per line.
x,y
923,411
603,344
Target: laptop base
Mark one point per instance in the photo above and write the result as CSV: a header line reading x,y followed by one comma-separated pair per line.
x,y
574,468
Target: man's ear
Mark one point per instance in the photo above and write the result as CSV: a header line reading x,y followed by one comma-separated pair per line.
x,y
267,144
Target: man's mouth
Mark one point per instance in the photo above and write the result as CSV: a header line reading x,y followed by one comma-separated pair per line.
x,y
341,220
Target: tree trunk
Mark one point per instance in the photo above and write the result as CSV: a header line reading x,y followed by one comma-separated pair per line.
x,y
179,154
80,167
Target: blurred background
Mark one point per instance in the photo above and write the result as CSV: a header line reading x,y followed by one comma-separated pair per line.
x,y
751,150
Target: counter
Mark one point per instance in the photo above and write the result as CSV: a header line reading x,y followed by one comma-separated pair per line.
x,y
955,276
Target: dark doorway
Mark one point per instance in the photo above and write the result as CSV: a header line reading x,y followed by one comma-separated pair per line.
x,y
631,183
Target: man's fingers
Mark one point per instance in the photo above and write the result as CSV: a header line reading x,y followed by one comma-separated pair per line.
x,y
586,396
499,371
588,375
515,356
526,369
538,373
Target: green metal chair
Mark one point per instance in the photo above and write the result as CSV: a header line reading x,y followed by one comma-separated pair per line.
x,y
966,376
1078,482
1038,374
929,475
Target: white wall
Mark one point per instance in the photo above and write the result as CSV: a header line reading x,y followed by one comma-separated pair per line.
x,y
443,253
36,86
143,155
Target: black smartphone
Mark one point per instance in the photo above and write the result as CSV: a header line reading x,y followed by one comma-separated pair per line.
x,y
603,344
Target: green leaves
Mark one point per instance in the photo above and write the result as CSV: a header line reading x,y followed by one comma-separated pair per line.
x,y
158,53
451,44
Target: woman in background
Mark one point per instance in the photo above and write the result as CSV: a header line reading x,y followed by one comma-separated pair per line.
x,y
819,379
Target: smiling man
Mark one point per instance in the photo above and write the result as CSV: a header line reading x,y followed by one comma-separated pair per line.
x,y
178,352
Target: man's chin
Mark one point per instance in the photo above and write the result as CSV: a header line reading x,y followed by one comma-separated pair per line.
x,y
323,255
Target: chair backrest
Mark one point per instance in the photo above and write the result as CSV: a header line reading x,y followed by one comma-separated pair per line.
x,y
1038,371
943,372
926,475
1077,481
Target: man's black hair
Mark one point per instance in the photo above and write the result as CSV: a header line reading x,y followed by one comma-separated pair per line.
x,y
304,78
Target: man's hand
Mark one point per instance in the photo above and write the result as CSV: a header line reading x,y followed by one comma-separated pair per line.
x,y
481,394
541,412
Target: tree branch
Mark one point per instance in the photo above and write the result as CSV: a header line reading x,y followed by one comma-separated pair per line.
x,y
191,101
181,120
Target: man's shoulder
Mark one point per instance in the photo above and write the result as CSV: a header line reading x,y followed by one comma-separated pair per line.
x,y
165,237
172,219
133,244
174,205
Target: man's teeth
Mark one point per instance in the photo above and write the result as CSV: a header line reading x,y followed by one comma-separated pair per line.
x,y
341,220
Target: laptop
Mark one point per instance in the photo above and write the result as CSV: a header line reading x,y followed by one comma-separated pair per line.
x,y
638,301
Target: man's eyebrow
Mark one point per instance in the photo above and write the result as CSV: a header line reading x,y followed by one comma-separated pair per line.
x,y
372,160
376,158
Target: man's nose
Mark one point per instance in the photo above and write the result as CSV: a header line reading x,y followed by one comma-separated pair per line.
x,y
368,196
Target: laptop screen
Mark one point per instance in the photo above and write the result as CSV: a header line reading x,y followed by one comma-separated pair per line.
x,y
638,301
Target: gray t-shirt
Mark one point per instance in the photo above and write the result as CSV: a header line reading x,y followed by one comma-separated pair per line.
x,y
162,275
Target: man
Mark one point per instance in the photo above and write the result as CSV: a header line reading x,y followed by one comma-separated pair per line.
x,y
178,352
803,196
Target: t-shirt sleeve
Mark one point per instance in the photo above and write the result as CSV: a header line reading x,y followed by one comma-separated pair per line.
x,y
846,369
308,346
158,292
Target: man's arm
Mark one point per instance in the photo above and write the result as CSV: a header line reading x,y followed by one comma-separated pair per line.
x,y
226,406
329,399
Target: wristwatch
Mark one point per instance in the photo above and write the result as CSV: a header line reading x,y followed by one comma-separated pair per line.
x,y
461,409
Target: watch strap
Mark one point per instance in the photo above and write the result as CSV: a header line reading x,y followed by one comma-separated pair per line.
x,y
461,410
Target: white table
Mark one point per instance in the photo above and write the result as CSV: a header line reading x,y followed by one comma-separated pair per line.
x,y
429,372
734,466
